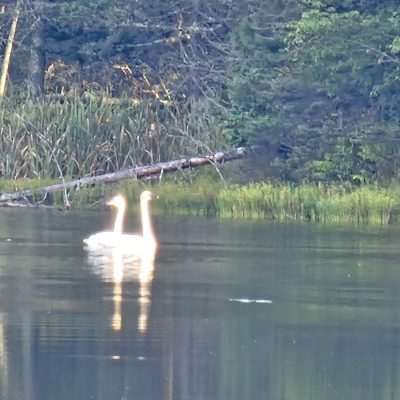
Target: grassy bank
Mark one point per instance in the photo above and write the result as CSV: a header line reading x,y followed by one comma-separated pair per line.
x,y
77,136
285,202
324,204
329,204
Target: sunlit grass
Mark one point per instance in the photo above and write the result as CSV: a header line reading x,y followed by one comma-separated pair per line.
x,y
328,204
275,201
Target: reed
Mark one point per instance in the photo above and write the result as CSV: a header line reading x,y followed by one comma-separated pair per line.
x,y
323,203
328,204
78,136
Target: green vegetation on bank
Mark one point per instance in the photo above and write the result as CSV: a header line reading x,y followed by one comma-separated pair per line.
x,y
94,134
321,76
328,204
332,204
137,86
324,203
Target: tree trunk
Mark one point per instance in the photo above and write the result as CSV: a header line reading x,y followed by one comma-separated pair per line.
x,y
267,150
7,53
37,62
131,173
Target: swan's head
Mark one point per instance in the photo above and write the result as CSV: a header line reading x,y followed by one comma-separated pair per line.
x,y
146,196
117,201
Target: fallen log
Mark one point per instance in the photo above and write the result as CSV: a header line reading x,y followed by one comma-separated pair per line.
x,y
130,173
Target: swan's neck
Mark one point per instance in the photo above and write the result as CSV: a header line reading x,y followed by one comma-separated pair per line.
x,y
147,228
119,220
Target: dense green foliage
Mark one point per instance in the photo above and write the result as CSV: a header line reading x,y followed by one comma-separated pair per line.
x,y
321,76
326,82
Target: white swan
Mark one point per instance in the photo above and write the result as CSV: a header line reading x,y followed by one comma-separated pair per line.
x,y
119,203
144,245
106,238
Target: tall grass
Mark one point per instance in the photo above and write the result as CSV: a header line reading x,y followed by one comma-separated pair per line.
x,y
333,204
328,204
77,136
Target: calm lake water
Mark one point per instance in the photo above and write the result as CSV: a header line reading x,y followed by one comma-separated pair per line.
x,y
229,310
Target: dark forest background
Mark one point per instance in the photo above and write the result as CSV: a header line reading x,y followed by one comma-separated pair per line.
x,y
320,76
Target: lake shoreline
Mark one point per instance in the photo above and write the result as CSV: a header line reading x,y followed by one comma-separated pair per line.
x,y
281,202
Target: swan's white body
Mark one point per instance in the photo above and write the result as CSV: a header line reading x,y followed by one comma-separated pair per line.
x,y
143,246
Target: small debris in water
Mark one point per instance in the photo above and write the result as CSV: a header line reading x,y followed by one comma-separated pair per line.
x,y
115,357
262,301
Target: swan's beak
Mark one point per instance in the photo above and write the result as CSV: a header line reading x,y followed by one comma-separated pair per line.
x,y
110,203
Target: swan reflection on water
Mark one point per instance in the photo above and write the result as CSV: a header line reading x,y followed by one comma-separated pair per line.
x,y
118,257
118,268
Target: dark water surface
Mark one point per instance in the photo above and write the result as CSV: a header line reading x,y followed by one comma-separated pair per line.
x,y
229,310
